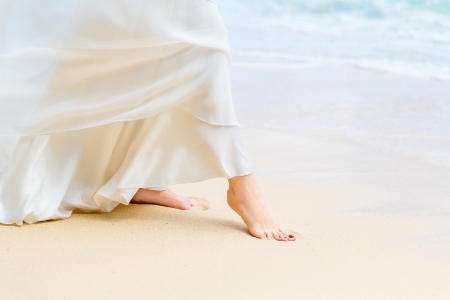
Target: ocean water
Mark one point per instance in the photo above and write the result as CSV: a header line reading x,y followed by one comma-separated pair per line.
x,y
377,71
409,37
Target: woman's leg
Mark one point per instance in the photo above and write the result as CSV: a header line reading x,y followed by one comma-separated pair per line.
x,y
246,199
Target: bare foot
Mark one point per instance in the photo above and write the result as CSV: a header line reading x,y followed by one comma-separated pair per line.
x,y
164,198
245,198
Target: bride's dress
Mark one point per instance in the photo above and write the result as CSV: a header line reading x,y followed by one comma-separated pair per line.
x,y
101,98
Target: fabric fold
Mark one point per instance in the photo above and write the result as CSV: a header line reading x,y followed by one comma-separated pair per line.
x,y
98,168
101,98
110,61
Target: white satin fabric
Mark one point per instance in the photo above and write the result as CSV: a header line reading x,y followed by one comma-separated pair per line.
x,y
101,98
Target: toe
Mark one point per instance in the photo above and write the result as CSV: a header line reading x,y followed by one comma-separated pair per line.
x,y
283,234
288,236
258,234
185,206
187,203
277,236
269,236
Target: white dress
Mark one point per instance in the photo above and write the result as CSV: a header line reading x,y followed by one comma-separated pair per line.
x,y
101,98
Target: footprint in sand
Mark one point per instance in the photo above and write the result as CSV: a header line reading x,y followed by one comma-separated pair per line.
x,y
199,203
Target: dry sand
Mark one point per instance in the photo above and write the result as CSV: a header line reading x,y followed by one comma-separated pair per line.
x,y
364,232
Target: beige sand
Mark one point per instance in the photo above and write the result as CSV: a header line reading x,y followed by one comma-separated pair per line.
x,y
347,202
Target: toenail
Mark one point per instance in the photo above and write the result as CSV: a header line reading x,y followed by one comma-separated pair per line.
x,y
291,236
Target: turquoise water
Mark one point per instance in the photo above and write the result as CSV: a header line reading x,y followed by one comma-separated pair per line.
x,y
370,8
397,98
410,37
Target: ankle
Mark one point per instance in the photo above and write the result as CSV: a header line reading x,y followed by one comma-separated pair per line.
x,y
238,181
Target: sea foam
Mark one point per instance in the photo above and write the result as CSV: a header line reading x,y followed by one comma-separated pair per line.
x,y
399,36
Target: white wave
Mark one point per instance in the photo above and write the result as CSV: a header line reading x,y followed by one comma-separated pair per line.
x,y
259,59
407,37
